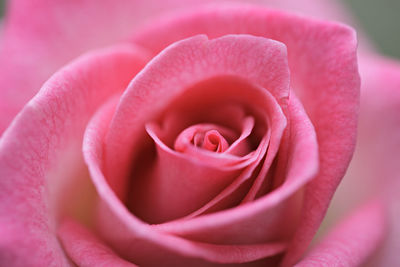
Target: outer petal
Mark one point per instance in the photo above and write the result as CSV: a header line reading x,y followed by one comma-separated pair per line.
x,y
43,35
40,154
85,249
322,61
377,148
352,241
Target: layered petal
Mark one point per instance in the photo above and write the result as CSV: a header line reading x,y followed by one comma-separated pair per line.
x,y
322,61
249,60
332,117
40,154
378,140
140,242
276,211
85,249
206,236
41,36
352,241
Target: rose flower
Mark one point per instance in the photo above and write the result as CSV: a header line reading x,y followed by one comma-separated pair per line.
x,y
214,135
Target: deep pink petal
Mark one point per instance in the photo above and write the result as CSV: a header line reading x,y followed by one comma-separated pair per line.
x,y
231,194
141,242
163,79
177,185
40,154
252,59
241,146
277,211
199,176
184,112
322,61
352,241
203,137
203,158
85,249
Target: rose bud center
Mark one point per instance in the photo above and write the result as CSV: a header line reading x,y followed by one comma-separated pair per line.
x,y
205,136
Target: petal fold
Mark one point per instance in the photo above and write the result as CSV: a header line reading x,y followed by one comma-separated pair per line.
x,y
85,249
352,241
40,153
323,65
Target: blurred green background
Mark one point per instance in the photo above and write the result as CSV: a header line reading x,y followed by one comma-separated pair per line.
x,y
380,19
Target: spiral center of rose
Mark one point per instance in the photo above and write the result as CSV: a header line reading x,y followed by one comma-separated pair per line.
x,y
205,136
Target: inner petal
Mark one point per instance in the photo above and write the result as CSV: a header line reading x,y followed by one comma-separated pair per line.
x,y
205,136
214,141
177,183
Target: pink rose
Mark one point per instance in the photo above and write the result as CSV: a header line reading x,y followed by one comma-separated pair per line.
x,y
213,135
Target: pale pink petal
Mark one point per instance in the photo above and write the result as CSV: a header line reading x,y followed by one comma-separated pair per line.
x,y
333,10
85,249
381,108
41,36
40,154
378,143
323,9
352,241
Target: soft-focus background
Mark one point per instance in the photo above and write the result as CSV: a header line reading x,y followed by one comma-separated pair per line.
x,y
380,19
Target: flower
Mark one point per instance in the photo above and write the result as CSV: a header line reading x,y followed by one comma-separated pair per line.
x,y
176,181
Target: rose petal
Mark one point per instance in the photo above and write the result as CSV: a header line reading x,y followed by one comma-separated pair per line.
x,y
144,244
271,211
184,173
176,185
204,136
202,158
40,154
352,241
323,9
240,146
184,112
377,147
141,242
322,61
41,36
164,79
85,249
